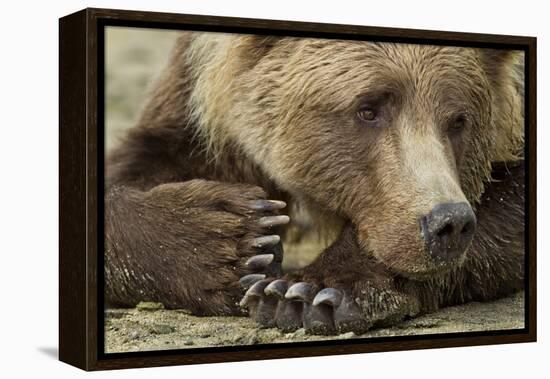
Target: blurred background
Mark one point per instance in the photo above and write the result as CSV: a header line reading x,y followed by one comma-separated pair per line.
x,y
134,57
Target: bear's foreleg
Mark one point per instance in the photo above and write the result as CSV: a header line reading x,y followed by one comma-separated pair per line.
x,y
187,244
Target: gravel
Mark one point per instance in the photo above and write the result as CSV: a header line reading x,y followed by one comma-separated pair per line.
x,y
160,329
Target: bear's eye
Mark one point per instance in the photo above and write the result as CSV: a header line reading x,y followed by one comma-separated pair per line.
x,y
367,115
458,124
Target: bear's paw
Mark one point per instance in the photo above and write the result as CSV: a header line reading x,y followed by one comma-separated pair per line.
x,y
289,306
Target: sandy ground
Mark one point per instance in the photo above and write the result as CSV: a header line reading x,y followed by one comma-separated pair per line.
x,y
146,329
134,58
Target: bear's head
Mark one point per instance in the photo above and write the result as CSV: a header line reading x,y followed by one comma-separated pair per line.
x,y
398,138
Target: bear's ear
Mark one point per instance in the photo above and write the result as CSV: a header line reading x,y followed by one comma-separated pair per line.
x,y
505,71
254,47
495,61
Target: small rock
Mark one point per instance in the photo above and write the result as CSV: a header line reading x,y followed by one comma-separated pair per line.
x,y
250,338
222,329
271,334
188,342
134,335
348,335
149,306
161,329
115,313
184,311
425,323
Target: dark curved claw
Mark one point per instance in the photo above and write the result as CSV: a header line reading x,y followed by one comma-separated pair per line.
x,y
257,289
265,311
277,288
265,241
262,309
318,319
247,301
258,262
266,205
329,296
254,292
349,318
270,255
273,303
289,315
319,316
270,221
301,291
248,280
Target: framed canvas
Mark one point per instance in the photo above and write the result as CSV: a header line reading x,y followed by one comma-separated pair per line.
x,y
239,189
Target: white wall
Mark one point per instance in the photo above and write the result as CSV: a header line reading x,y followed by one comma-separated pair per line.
x,y
28,200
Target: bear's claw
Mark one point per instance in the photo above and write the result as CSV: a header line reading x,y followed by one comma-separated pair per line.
x,y
266,262
277,288
257,289
266,205
290,307
248,280
265,241
300,291
288,315
270,221
329,296
263,254
262,308
258,262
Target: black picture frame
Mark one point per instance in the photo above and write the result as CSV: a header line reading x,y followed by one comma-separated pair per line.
x,y
81,153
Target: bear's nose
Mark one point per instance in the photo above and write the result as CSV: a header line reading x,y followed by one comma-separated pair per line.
x,y
448,230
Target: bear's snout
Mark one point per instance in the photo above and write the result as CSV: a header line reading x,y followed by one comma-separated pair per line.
x,y
448,230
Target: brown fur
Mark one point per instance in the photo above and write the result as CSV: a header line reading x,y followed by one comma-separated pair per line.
x,y
493,268
256,117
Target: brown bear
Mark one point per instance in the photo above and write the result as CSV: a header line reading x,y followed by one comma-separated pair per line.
x,y
410,154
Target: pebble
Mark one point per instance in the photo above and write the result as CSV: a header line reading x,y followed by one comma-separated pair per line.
x,y
250,338
149,306
115,313
161,329
134,335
